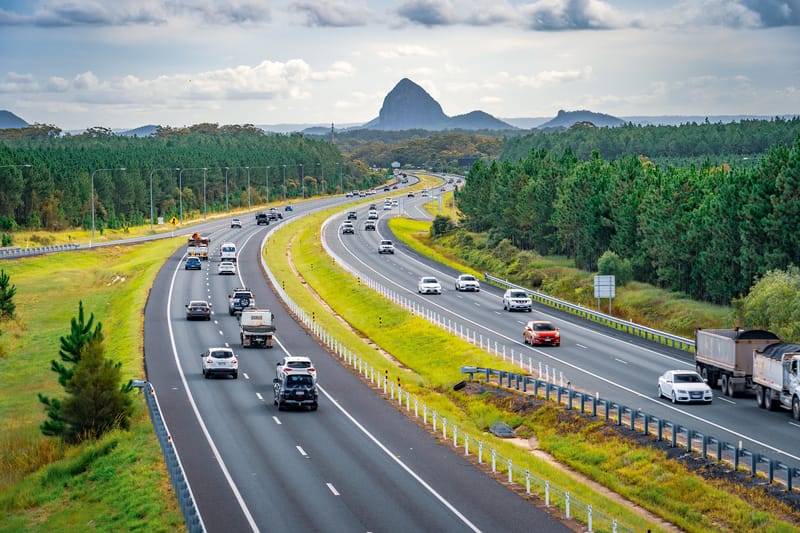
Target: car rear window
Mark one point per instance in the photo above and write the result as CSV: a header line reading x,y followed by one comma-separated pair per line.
x,y
298,364
303,380
221,354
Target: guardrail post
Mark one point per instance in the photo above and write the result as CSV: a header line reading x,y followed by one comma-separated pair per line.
x,y
435,416
771,470
444,427
704,447
416,408
455,436
719,450
735,458
425,414
634,415
510,472
675,429
753,464
480,452
569,399
589,516
547,493
689,437
527,481
466,444
659,430
619,415
494,461
566,505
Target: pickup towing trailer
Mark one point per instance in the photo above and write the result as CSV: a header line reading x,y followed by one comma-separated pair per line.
x,y
256,328
724,357
775,374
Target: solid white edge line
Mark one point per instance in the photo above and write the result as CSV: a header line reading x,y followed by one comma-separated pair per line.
x,y
217,455
332,489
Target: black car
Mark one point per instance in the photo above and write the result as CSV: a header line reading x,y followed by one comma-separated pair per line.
x,y
295,389
192,263
369,225
352,215
262,218
198,309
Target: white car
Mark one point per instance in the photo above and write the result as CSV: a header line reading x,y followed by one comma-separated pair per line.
x,y
372,215
227,268
467,282
386,247
236,223
294,363
516,299
429,285
220,361
684,386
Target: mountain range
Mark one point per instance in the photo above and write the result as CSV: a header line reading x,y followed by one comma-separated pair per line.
x,y
408,106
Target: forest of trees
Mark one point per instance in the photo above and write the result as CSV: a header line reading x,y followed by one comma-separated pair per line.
x,y
733,143
708,231
47,177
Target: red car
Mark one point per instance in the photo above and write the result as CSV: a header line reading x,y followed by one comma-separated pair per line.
x,y
541,332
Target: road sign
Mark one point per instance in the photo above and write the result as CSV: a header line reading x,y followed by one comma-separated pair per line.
x,y
174,221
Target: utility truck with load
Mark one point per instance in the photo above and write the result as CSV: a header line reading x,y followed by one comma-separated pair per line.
x,y
724,357
198,246
256,327
775,374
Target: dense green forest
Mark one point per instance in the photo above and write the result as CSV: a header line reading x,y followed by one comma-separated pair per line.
x,y
732,143
47,178
708,231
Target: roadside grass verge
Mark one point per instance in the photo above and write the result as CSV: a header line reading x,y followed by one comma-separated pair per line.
x,y
427,361
125,486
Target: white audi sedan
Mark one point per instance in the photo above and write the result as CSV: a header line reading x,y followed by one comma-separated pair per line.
x,y
684,386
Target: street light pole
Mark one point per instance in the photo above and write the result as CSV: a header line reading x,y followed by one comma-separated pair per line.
x,y
93,173
266,182
227,211
248,187
180,191
204,193
284,183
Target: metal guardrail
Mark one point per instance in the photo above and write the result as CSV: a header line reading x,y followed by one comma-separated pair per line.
x,y
627,326
707,445
194,523
12,252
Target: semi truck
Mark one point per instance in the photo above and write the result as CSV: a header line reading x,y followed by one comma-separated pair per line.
x,y
775,375
724,357
198,246
256,326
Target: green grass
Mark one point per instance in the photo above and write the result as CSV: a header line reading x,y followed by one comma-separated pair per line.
x,y
46,486
427,362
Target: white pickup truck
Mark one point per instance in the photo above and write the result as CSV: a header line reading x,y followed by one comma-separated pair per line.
x,y
257,327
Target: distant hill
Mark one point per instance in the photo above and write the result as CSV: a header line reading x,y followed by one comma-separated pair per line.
x,y
10,120
408,106
141,131
566,119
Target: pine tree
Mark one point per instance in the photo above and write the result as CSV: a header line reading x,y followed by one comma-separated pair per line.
x,y
96,402
81,332
7,292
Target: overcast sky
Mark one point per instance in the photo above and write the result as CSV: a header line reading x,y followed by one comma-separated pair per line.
x,y
127,63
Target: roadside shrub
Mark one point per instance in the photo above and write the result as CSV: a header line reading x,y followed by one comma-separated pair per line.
x,y
8,223
610,264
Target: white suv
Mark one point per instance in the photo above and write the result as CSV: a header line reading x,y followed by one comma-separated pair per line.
x,y
220,361
386,247
467,282
517,300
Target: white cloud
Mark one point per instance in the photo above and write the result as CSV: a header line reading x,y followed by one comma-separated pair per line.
x,y
331,13
406,50
552,77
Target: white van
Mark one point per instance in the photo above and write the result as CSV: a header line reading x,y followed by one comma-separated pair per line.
x,y
228,252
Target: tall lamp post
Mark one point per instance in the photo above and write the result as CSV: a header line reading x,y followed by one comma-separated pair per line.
x,y
226,190
248,187
303,180
284,183
93,173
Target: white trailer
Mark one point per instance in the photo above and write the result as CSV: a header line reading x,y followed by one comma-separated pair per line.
x,y
256,326
724,357
775,374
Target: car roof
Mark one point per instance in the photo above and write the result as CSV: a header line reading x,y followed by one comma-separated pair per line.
x,y
289,358
198,302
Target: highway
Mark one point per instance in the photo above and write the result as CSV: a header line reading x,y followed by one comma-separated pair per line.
x,y
357,464
592,358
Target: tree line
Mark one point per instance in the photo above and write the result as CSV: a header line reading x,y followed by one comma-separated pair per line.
x,y
47,178
708,231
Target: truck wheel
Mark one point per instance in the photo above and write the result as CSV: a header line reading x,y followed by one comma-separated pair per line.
x,y
731,388
796,408
760,397
723,384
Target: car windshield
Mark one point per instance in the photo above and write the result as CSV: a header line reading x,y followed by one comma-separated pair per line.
x,y
518,294
221,354
198,304
467,278
301,380
688,378
544,327
429,280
